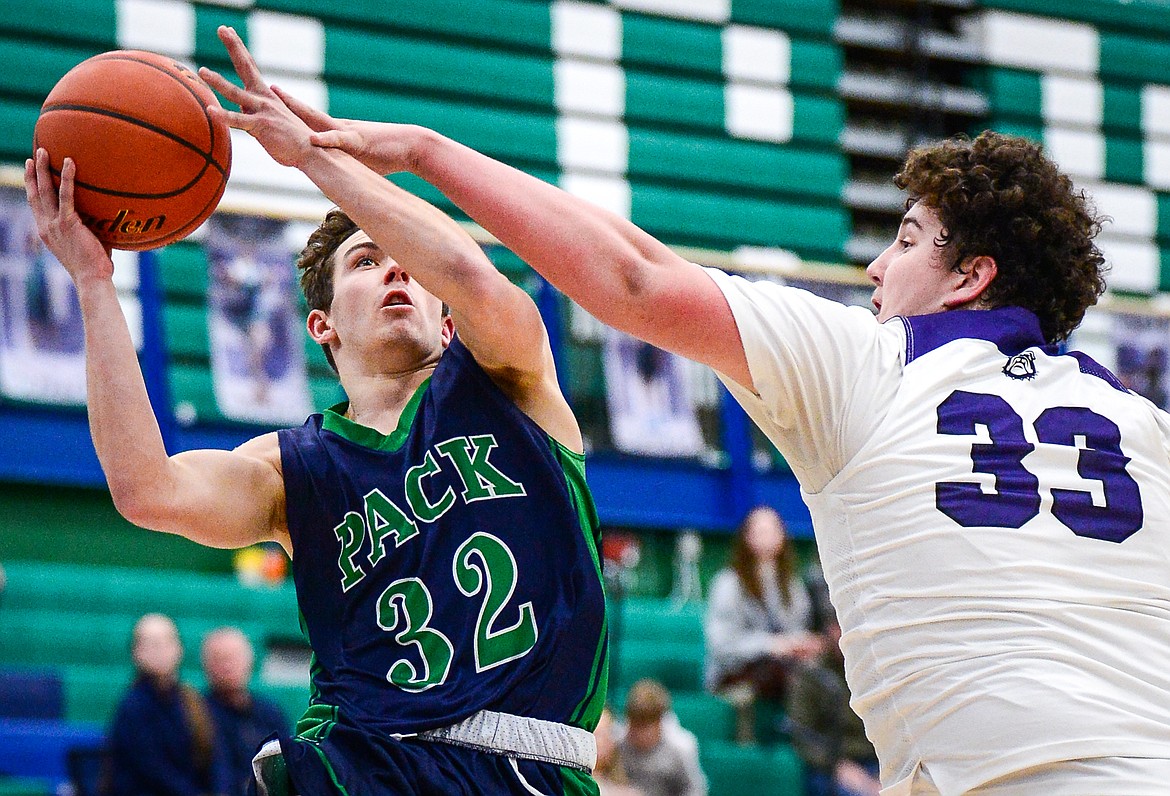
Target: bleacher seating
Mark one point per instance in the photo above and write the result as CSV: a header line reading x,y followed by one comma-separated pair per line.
x,y
69,626
653,637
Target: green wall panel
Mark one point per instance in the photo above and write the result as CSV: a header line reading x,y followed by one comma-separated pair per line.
x,y
1122,111
687,47
720,221
81,526
511,22
736,164
31,69
1123,160
808,16
91,21
437,67
511,135
1134,58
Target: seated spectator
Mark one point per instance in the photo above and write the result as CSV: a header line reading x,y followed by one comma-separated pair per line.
x,y
829,737
162,741
759,625
660,757
243,719
610,772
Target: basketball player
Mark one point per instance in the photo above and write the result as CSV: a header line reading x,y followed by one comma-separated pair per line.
x,y
993,515
444,542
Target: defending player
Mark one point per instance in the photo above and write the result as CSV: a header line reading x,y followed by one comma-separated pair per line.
x,y
444,542
993,516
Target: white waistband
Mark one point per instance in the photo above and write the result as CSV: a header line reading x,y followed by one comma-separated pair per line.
x,y
523,737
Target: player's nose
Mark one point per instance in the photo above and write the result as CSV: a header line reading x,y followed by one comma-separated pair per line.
x,y
395,273
876,270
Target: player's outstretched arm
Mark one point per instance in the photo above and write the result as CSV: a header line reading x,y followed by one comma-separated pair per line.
x,y
213,497
622,275
496,320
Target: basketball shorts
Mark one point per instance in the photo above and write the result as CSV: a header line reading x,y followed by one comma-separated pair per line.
x,y
352,762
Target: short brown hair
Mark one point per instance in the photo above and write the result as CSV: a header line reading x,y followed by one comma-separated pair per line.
x,y
315,263
1000,196
647,702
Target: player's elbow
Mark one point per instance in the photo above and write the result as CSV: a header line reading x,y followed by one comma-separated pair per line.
x,y
144,505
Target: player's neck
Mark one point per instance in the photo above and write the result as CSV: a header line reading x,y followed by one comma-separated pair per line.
x,y
376,400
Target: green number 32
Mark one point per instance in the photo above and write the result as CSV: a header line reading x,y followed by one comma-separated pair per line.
x,y
483,563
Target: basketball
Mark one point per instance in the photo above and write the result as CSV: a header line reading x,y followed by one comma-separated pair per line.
x,y
152,165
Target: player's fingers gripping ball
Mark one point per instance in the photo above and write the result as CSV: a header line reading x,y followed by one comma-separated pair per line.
x,y
152,164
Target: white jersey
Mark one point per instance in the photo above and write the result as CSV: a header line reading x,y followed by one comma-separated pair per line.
x,y
994,525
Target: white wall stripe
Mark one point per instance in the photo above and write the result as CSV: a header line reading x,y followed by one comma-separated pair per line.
x,y
701,10
165,26
287,43
611,193
586,29
1156,164
1134,209
1134,265
757,113
592,145
756,54
1072,100
589,87
1079,153
1156,110
1011,39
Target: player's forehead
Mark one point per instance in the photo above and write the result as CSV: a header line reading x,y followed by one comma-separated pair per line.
x,y
358,242
921,217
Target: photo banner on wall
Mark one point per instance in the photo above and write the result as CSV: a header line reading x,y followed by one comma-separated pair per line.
x,y
255,327
1142,351
648,393
42,343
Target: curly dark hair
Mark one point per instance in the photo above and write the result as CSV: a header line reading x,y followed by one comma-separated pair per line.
x,y
315,264
999,196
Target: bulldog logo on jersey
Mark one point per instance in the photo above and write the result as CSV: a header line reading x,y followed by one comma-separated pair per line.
x,y
1021,366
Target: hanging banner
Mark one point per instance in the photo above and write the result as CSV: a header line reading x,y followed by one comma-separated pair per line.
x,y
255,327
651,406
42,344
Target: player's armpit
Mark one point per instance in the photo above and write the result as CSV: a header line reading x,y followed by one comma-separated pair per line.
x,y
217,498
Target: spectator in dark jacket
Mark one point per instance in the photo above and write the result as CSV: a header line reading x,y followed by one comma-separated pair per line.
x,y
839,760
243,719
162,741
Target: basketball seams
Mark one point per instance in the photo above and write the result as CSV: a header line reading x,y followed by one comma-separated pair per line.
x,y
208,158
134,123
200,101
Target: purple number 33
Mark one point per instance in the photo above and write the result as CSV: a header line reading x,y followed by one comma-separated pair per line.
x,y
1016,498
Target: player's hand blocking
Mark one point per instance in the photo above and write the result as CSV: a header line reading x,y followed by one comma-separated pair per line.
x,y
262,114
380,146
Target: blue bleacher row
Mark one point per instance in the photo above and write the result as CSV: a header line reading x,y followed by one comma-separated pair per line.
x,y
65,660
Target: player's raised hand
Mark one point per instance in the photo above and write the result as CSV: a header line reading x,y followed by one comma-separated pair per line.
x,y
380,146
262,114
58,224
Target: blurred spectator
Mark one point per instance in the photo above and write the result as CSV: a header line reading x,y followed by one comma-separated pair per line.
x,y
839,760
758,627
660,757
243,719
609,772
162,741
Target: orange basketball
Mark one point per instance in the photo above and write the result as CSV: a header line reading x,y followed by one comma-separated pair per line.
x,y
151,163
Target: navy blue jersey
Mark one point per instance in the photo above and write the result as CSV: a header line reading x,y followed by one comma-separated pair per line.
x,y
447,568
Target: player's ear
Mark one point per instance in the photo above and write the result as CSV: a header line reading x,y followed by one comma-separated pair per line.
x,y
972,279
447,331
320,327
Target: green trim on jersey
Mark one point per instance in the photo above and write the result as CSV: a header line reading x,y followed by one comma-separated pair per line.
x,y
588,710
577,783
334,419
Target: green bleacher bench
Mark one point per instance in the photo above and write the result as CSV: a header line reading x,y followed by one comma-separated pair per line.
x,y
651,619
737,769
1147,16
678,665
